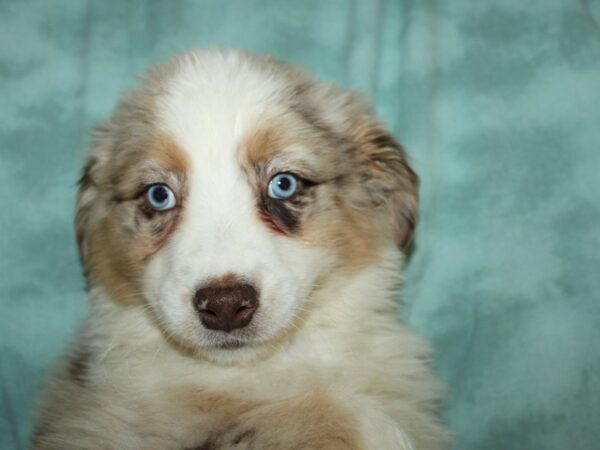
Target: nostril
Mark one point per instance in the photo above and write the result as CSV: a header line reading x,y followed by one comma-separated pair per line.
x,y
243,308
244,311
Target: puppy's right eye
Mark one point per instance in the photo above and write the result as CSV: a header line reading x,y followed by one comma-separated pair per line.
x,y
161,197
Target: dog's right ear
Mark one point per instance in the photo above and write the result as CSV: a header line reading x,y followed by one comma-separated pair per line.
x,y
90,207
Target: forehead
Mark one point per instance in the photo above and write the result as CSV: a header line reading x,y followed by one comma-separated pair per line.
x,y
227,111
211,106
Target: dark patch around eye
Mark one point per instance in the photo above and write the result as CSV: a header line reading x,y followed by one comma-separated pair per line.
x,y
284,216
281,216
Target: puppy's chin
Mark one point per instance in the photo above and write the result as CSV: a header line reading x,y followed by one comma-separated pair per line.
x,y
230,350
229,354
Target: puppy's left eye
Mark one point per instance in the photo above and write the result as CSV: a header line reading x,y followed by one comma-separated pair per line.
x,y
283,186
160,197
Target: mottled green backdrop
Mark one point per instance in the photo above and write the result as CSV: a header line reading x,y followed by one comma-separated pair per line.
x,y
498,103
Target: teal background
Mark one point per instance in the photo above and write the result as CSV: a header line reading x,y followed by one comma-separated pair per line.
x,y
498,103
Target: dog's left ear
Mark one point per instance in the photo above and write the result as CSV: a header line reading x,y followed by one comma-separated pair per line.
x,y
389,180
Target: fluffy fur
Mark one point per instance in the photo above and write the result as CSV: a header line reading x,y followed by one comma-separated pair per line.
x,y
324,363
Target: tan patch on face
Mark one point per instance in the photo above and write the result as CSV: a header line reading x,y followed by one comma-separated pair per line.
x,y
353,235
165,150
116,260
262,145
153,159
117,229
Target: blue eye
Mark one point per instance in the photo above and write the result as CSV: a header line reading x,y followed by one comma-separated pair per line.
x,y
161,197
283,186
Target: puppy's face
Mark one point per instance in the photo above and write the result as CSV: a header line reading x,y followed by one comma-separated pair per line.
x,y
228,188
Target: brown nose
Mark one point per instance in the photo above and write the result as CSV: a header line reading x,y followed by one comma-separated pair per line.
x,y
226,307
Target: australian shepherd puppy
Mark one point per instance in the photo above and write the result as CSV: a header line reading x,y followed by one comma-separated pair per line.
x,y
242,230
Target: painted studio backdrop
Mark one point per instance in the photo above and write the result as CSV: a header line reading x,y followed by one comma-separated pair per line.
x,y
498,105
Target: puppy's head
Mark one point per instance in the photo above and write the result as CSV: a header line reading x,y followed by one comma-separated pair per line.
x,y
227,188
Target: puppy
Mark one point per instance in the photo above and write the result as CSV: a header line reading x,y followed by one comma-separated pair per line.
x,y
242,230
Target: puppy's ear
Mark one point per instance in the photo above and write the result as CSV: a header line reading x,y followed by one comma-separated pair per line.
x,y
90,205
389,180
